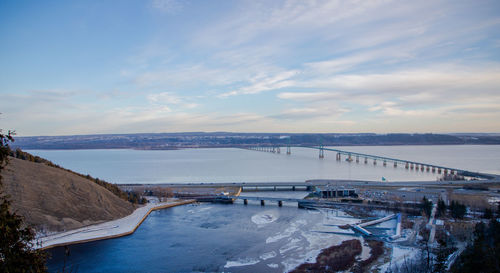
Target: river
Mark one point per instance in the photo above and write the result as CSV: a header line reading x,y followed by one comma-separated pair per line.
x,y
238,165
237,238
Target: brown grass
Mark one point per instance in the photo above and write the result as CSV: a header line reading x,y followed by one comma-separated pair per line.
x,y
334,258
476,201
52,199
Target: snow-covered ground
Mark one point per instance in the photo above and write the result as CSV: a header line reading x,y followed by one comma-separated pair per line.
x,y
111,229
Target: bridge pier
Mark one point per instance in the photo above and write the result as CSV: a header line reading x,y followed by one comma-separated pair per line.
x,y
274,188
374,162
439,170
406,165
262,203
395,164
321,152
433,169
338,157
293,188
288,150
245,201
385,163
357,159
422,168
411,166
278,150
366,160
427,168
280,203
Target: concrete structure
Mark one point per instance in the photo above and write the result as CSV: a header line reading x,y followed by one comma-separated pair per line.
x,y
330,191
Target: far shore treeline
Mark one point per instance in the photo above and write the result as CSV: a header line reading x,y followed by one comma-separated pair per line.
x,y
132,197
161,141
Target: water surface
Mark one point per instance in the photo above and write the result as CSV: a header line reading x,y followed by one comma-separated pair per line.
x,y
238,165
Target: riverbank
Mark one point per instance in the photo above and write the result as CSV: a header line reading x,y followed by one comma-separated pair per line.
x,y
112,229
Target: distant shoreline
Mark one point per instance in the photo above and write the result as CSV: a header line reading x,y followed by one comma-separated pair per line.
x,y
240,147
173,141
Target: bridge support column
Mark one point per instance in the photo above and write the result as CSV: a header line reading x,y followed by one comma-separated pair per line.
x,y
445,171
395,164
321,152
280,203
262,203
357,159
338,157
288,150
433,169
439,170
406,165
274,188
385,163
374,162
293,188
427,168
245,201
366,160
411,166
278,150
422,167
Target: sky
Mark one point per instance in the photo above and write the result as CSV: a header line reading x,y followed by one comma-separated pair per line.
x,y
151,66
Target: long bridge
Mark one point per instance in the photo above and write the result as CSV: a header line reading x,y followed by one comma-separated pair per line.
x,y
355,156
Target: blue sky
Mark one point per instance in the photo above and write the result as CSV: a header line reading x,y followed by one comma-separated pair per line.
x,y
83,67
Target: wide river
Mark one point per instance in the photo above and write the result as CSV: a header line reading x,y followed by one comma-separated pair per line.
x,y
237,238
238,165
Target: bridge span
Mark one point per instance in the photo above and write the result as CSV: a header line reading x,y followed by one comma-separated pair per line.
x,y
357,157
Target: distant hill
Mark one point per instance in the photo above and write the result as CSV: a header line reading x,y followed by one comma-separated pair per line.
x,y
54,199
225,139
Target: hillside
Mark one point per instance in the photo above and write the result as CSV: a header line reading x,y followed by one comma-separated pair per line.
x,y
53,199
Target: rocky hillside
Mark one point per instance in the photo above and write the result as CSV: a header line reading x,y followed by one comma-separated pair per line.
x,y
52,199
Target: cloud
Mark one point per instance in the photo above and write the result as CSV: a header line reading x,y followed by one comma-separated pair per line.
x,y
261,84
167,6
169,98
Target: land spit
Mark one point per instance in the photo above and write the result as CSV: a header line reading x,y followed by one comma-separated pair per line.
x,y
107,230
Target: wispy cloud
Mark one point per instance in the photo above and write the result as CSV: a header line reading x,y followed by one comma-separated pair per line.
x,y
167,6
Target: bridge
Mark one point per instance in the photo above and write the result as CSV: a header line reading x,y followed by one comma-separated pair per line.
x,y
355,156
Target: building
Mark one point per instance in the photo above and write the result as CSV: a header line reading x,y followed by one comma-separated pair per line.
x,y
330,191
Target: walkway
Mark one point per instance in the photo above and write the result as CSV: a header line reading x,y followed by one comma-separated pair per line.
x,y
112,229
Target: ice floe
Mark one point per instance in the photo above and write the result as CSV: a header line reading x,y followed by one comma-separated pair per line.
x,y
241,262
265,217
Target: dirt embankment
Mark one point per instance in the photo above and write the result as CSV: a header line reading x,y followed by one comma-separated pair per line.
x,y
52,199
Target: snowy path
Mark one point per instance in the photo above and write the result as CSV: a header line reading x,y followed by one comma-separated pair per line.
x,y
112,229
